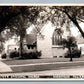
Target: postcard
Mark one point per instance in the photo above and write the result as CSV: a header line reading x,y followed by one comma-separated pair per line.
x,y
41,41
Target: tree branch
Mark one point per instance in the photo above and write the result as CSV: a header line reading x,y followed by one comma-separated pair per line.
x,y
74,21
80,20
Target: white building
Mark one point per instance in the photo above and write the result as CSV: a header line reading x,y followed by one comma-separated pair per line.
x,y
80,43
48,43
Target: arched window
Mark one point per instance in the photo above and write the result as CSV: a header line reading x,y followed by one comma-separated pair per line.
x,y
57,37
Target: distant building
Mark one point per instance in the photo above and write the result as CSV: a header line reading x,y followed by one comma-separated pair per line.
x,y
12,48
80,43
29,44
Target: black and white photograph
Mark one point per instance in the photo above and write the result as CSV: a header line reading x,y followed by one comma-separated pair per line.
x,y
42,41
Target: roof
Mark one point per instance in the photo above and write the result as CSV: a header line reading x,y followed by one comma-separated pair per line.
x,y
30,39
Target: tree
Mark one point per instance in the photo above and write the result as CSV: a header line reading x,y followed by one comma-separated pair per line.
x,y
22,21
70,14
6,13
68,43
1,43
20,17
64,16
56,14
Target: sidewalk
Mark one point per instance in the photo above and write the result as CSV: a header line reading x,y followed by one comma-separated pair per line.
x,y
4,67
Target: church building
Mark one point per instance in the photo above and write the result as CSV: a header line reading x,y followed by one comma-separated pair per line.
x,y
50,41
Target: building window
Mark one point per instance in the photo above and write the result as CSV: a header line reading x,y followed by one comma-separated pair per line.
x,y
32,47
28,46
57,37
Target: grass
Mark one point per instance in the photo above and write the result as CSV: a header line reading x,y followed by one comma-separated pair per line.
x,y
32,61
46,60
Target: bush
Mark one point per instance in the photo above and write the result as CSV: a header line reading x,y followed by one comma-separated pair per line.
x,y
14,54
4,56
26,56
31,55
75,54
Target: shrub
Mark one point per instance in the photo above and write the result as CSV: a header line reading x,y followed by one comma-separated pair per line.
x,y
14,54
26,56
31,55
4,56
75,54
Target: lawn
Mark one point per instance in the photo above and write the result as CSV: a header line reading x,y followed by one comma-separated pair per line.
x,y
32,61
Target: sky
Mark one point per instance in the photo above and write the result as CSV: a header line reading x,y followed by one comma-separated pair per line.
x,y
30,29
74,30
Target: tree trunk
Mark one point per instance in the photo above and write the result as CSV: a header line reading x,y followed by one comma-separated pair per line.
x,y
70,54
21,47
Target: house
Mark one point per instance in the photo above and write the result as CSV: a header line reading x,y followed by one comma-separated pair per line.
x,y
80,43
29,44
